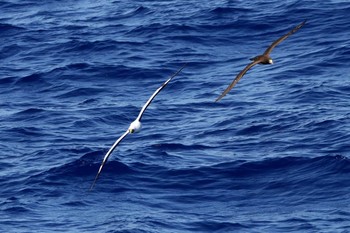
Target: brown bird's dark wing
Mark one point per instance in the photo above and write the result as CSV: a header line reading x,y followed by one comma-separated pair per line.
x,y
274,44
238,77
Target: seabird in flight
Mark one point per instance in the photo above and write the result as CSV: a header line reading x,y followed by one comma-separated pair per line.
x,y
260,59
135,126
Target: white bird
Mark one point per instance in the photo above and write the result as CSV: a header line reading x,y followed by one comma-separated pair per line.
x,y
135,126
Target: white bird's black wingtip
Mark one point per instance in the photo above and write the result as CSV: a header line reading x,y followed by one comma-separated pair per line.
x,y
93,183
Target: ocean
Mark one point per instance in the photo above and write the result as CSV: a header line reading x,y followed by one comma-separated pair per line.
x,y
271,156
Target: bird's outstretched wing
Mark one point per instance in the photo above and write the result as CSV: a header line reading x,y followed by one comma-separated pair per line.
x,y
156,93
127,132
107,156
238,77
282,38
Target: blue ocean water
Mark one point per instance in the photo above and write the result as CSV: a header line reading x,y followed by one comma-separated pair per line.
x,y
271,156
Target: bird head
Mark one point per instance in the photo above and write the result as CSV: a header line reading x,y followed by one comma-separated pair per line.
x,y
135,127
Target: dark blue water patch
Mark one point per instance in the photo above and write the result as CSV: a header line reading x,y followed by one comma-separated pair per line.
x,y
265,174
230,10
7,80
5,165
102,73
8,28
75,46
312,94
30,114
14,207
9,51
89,102
136,230
154,30
17,5
254,129
85,123
71,70
78,66
343,89
179,146
30,111
121,15
27,131
140,11
79,92
33,78
32,83
191,38
87,165
217,226
15,210
74,204
296,223
345,51
148,30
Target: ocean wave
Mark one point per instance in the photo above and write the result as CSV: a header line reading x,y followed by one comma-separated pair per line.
x,y
273,173
9,27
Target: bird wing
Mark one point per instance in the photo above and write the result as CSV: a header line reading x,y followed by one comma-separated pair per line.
x,y
282,38
238,77
156,92
107,156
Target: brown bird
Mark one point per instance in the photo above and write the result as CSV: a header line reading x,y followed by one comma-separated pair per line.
x,y
260,59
